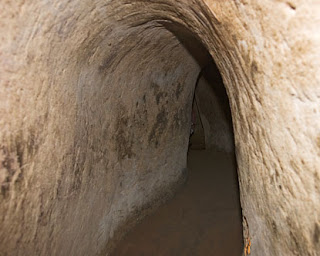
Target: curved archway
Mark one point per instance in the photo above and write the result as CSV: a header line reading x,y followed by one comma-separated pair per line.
x,y
107,88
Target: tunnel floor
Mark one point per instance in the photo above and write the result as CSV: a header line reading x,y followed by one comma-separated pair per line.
x,y
202,219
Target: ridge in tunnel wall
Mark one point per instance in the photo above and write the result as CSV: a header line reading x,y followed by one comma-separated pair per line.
x,y
95,103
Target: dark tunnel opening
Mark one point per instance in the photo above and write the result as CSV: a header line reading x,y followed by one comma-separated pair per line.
x,y
211,113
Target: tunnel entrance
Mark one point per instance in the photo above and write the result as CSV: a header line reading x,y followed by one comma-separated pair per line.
x,y
204,217
109,138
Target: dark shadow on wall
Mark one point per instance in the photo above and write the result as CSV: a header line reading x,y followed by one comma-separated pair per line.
x,y
211,120
213,107
212,75
197,136
191,43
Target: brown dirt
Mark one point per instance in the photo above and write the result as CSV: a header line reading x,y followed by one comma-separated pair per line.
x,y
204,217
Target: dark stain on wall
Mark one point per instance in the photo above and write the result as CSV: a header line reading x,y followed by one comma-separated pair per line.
x,y
6,166
12,160
318,141
32,143
316,234
77,172
160,96
254,70
123,136
274,227
158,93
179,90
158,128
45,213
179,119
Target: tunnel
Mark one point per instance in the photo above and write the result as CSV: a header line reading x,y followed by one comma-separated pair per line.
x,y
203,217
97,103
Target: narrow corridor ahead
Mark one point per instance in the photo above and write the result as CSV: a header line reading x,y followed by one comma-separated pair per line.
x,y
202,219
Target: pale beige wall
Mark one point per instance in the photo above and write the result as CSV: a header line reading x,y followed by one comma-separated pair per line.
x,y
95,101
273,48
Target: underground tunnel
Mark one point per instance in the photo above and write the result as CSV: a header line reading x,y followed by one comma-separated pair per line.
x,y
97,99
204,216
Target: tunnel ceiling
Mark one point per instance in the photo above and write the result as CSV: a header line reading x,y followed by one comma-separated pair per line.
x,y
95,101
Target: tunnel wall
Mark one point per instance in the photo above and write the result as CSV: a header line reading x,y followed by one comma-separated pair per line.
x,y
95,99
217,128
197,136
97,127
214,110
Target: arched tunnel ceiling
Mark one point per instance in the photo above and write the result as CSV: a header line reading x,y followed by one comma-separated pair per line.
x,y
95,99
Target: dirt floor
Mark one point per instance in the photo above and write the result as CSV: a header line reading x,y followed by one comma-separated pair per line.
x,y
202,219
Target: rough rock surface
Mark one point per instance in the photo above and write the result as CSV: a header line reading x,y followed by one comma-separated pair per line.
x,y
95,101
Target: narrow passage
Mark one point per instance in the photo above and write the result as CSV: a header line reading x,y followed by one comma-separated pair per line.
x,y
204,217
